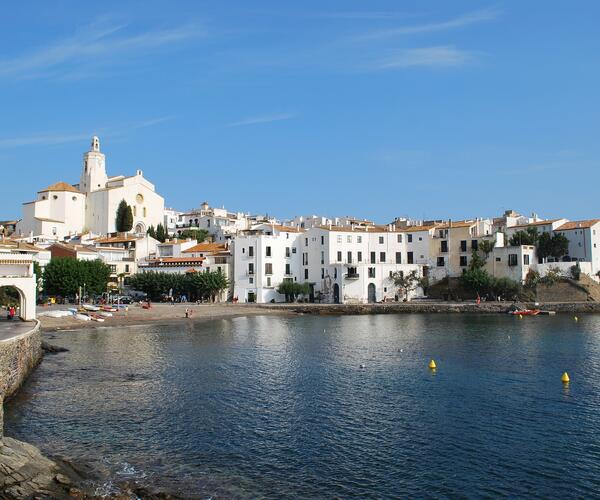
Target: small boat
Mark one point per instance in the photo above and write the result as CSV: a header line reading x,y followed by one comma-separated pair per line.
x,y
525,312
97,318
89,307
82,317
105,314
109,309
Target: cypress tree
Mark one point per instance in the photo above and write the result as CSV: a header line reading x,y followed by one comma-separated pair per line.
x,y
160,233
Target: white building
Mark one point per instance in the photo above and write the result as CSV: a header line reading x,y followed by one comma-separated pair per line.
x,y
62,210
584,242
263,257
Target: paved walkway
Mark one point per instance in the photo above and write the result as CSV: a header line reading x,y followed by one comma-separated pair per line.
x,y
9,329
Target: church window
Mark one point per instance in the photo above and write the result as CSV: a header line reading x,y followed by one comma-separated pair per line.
x,y
139,198
134,211
74,198
145,212
55,197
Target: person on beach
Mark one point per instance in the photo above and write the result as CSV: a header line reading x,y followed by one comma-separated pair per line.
x,y
11,312
187,312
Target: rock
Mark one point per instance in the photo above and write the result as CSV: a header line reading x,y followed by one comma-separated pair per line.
x,y
62,479
53,349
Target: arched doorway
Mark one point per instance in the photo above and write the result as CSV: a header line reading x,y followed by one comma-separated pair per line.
x,y
10,296
336,294
140,228
372,293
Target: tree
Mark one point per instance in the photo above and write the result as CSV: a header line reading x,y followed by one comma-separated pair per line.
x,y
161,234
124,219
576,271
477,262
528,237
292,289
39,279
151,232
405,282
559,246
477,280
486,246
195,234
64,275
197,286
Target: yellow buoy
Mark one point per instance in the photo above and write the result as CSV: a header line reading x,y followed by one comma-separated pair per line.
x,y
565,378
520,316
575,318
432,365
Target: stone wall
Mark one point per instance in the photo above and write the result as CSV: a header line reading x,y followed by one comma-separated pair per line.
x,y
19,355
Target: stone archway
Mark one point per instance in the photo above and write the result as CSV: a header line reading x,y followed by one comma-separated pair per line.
x,y
140,228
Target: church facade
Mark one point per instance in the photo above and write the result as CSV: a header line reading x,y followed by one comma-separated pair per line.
x,y
62,210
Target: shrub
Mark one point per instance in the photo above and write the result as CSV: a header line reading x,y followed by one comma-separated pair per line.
x,y
576,271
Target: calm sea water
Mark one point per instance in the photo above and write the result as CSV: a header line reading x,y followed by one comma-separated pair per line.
x,y
279,407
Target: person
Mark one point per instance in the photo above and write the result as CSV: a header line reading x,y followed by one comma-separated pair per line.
x,y
11,312
187,312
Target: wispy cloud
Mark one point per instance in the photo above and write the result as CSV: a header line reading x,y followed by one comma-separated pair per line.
x,y
96,43
53,139
443,56
455,23
277,117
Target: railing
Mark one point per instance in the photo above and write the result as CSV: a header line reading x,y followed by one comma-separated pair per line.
x,y
15,258
352,276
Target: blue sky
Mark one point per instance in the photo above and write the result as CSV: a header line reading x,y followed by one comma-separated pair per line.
x,y
369,108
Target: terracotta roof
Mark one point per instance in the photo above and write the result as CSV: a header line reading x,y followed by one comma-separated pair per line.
x,y
60,186
207,248
49,220
537,223
288,229
176,260
456,223
578,224
116,239
75,248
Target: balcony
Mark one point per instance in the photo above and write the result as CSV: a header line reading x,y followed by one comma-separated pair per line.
x,y
352,276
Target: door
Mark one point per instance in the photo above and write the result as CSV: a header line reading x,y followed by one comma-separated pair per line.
x,y
251,297
336,293
372,294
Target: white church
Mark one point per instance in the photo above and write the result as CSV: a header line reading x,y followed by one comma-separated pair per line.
x,y
62,210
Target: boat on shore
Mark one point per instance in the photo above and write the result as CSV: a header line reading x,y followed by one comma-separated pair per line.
x,y
525,312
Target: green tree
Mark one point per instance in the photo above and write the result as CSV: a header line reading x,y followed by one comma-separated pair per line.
x,y
405,282
195,234
151,232
161,234
528,237
64,275
477,261
486,246
124,218
559,246
477,280
293,289
39,276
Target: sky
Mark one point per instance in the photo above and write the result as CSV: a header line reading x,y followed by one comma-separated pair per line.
x,y
374,109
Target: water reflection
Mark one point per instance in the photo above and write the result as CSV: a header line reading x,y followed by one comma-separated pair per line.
x,y
280,406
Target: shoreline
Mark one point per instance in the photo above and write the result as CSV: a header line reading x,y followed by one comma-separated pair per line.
x,y
167,314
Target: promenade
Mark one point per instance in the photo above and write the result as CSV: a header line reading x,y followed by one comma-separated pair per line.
x,y
9,329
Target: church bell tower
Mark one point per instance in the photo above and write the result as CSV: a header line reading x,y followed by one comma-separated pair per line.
x,y
93,175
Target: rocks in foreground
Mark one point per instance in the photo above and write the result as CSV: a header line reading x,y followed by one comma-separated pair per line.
x,y
26,473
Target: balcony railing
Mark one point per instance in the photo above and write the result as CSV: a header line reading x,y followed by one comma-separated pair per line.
x,y
352,276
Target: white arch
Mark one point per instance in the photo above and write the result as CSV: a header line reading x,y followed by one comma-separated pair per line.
x,y
26,288
139,228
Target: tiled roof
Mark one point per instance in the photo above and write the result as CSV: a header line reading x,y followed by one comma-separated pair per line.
x,y
577,224
74,248
207,248
288,229
176,260
117,239
60,186
537,223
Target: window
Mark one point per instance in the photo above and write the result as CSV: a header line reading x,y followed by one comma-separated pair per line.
x,y
113,269
398,257
409,258
134,211
288,269
381,240
526,259
322,240
349,257
440,261
268,280
306,274
268,251
463,246
322,273
268,268
498,259
305,242
399,238
359,239
381,256
293,249
250,280
335,273
512,259
339,238
322,257
250,251
444,246
287,252
463,261
349,239
126,268
359,256
55,197
339,256
251,268
145,212
409,238
372,257
474,245
371,272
